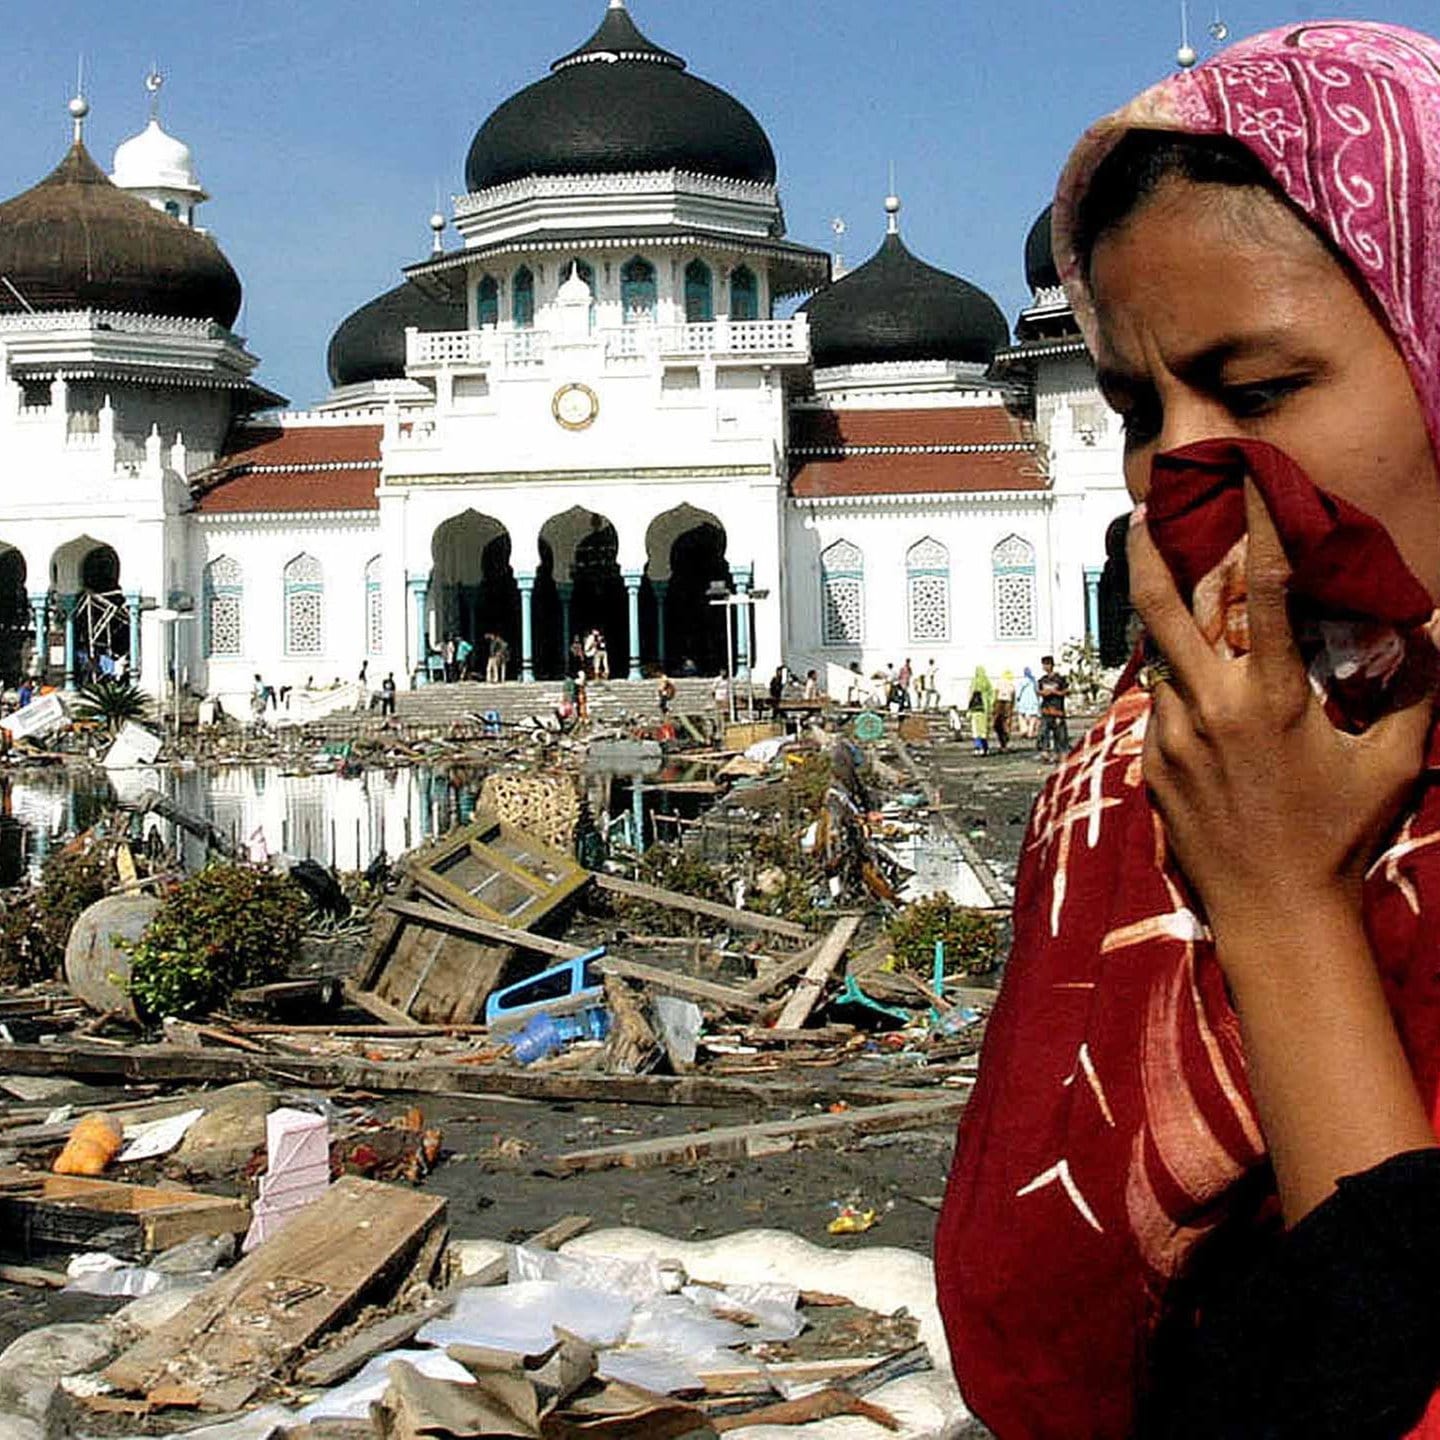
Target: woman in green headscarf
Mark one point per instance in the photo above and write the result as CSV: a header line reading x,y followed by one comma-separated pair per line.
x,y
982,703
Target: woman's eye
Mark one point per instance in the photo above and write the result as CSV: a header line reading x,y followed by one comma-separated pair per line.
x,y
1141,425
1248,402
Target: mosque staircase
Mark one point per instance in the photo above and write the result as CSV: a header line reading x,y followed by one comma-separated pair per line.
x,y
609,700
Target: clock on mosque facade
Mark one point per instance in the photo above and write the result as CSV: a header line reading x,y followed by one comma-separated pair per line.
x,y
575,406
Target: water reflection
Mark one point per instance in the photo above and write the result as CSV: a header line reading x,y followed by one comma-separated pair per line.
x,y
339,820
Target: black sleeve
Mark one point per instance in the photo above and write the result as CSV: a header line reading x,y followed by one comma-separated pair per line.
x,y
1333,1330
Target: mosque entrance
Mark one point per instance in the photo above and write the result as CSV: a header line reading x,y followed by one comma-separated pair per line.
x,y
687,556
472,589
580,589
97,620
17,633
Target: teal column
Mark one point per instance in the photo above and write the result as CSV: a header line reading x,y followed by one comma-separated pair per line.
x,y
660,587
419,587
526,581
1092,604
743,580
637,812
632,594
67,608
132,605
39,612
566,591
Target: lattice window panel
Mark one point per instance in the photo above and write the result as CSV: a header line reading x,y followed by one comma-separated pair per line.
x,y
929,608
374,610
223,607
304,617
304,607
844,610
1015,606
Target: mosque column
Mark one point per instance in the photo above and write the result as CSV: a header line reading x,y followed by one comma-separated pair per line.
x,y
68,605
632,594
419,587
566,590
743,580
525,580
660,587
1092,604
40,613
132,607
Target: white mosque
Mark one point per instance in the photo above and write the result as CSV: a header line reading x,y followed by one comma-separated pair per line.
x,y
595,410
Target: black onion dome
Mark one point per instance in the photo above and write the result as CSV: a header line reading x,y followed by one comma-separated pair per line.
x,y
1040,271
619,103
370,344
895,307
76,241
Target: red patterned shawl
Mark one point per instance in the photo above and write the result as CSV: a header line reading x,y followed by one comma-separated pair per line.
x,y
1112,1123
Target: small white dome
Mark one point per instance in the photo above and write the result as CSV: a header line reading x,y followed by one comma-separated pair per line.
x,y
574,291
153,160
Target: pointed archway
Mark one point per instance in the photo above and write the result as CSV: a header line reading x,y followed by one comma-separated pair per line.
x,y
687,549
473,594
588,587
98,618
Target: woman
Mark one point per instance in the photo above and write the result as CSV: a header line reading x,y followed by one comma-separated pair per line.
x,y
1197,1186
1027,704
1004,708
982,702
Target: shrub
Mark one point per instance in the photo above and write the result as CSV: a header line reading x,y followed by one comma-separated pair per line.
x,y
971,939
34,926
226,927
112,701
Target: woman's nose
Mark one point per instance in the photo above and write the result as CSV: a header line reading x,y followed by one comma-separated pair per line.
x,y
1190,417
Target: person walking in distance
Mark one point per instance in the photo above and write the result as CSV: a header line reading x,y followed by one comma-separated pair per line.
x,y
1052,688
387,695
602,656
494,659
664,692
1004,710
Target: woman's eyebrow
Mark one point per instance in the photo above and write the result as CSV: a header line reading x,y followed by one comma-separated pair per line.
x,y
1206,362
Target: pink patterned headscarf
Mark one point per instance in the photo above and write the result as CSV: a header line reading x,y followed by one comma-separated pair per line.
x,y
1345,117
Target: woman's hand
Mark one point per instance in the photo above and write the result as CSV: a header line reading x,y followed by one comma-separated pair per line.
x,y
1269,809
1274,815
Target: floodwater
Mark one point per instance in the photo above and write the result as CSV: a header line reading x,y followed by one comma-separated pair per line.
x,y
338,820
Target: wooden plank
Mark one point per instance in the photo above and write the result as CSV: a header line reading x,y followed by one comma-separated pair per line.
x,y
373,1340
766,1138
672,899
436,977
372,1004
808,987
675,984
483,929
250,1322
437,1077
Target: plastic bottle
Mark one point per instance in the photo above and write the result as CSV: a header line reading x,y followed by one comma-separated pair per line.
x,y
545,1034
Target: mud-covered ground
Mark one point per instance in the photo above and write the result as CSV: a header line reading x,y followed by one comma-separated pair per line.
x,y
492,1171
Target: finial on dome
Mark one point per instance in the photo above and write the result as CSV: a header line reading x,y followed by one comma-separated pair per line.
x,y
79,108
154,81
617,4
437,227
892,210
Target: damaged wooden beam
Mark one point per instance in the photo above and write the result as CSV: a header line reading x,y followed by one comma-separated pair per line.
x,y
672,982
767,1138
174,1065
674,900
807,990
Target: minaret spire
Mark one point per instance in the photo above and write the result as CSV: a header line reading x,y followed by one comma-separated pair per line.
x,y
153,82
892,211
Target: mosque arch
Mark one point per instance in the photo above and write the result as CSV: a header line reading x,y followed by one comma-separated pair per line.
x,y
522,298
472,586
85,574
582,589
487,303
687,549
16,622
699,293
744,294
637,291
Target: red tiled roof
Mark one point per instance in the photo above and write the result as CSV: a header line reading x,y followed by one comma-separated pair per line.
x,y
835,431
295,467
918,474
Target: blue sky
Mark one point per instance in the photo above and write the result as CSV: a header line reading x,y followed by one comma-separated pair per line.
x,y
325,128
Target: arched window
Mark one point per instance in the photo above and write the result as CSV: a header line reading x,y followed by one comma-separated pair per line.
x,y
522,298
744,294
304,607
699,294
1013,563
487,302
637,291
927,577
223,596
374,610
842,594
